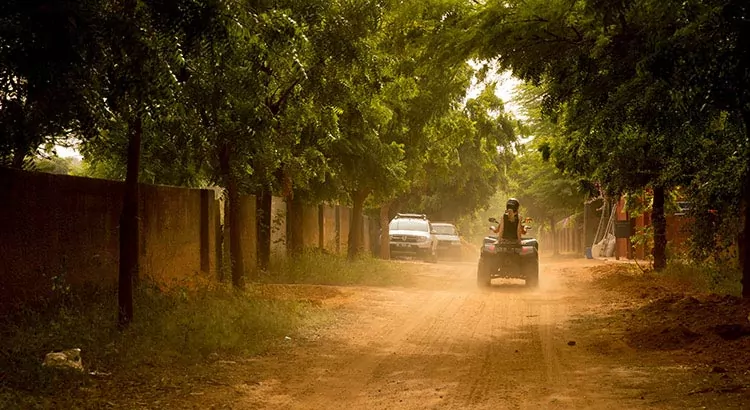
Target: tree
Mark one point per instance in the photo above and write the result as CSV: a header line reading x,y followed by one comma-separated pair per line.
x,y
619,119
705,61
56,165
414,90
235,94
465,161
544,191
45,75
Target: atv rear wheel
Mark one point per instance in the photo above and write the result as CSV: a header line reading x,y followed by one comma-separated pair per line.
x,y
484,279
531,272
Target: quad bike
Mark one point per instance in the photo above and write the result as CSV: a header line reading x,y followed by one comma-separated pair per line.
x,y
500,258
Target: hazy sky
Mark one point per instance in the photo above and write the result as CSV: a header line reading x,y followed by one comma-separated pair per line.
x,y
506,85
65,152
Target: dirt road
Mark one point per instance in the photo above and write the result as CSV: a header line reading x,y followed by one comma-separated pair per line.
x,y
445,344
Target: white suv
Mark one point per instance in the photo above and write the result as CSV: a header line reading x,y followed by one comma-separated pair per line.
x,y
412,235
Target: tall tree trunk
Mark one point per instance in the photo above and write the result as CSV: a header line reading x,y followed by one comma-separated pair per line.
x,y
235,234
385,234
263,206
659,222
19,155
742,240
223,250
356,225
294,226
234,218
128,264
744,236
553,231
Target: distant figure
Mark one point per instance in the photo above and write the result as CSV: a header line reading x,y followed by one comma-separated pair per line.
x,y
511,228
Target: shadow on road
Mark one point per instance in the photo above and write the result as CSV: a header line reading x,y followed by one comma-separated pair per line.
x,y
508,288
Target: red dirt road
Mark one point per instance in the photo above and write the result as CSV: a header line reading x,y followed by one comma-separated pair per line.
x,y
445,344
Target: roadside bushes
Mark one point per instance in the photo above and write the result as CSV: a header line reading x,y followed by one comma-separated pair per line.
x,y
180,326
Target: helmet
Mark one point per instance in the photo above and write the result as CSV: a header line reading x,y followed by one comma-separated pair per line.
x,y
512,204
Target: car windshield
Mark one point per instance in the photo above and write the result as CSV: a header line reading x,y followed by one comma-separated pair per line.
x,y
409,225
444,229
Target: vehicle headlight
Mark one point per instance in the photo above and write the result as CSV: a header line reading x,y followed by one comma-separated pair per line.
x,y
425,239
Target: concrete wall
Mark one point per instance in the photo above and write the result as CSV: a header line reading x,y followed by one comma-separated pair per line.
x,y
344,223
249,232
310,227
55,227
329,228
177,233
64,229
366,233
278,225
374,234
334,221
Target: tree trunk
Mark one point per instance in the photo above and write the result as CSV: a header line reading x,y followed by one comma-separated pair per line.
x,y
743,238
294,226
553,231
128,264
263,206
19,155
223,250
235,234
385,234
659,222
744,235
234,218
356,225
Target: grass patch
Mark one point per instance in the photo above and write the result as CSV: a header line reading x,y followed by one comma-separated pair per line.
x,y
706,277
328,269
173,328
678,277
176,336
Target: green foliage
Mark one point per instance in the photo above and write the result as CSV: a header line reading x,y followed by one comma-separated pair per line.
x,y
179,327
644,93
543,190
616,121
709,277
316,100
45,84
294,94
715,197
546,192
57,165
465,162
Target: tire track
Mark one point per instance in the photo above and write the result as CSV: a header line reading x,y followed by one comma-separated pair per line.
x,y
443,344
351,376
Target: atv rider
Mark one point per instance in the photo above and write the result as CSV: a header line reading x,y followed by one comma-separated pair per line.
x,y
510,228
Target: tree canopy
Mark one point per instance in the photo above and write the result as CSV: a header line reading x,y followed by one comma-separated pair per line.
x,y
637,88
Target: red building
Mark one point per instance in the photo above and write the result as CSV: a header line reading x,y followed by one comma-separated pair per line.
x,y
677,233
